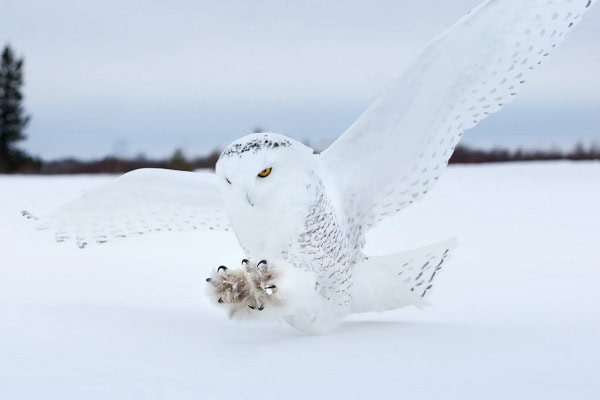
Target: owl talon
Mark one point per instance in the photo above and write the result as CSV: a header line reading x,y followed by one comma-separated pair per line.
x,y
250,287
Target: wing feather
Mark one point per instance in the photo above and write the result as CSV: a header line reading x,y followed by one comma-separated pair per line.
x,y
395,152
141,201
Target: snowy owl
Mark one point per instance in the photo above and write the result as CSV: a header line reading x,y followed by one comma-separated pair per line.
x,y
301,216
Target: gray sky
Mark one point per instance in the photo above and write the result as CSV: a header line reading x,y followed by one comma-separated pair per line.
x,y
146,77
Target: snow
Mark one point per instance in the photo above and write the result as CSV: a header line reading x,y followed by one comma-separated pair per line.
x,y
516,314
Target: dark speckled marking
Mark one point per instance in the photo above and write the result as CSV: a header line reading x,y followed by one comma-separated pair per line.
x,y
254,146
432,276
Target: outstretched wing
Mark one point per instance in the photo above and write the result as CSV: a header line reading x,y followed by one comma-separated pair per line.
x,y
141,201
394,153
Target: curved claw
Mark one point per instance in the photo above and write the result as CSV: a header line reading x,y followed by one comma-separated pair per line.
x,y
208,279
252,307
261,262
222,267
262,307
220,301
245,261
270,287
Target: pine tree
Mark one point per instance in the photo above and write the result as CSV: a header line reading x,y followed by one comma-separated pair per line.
x,y
178,161
13,118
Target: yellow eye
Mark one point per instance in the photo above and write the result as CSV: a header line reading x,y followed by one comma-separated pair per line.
x,y
265,172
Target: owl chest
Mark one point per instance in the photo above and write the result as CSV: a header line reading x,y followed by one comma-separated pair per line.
x,y
303,228
323,239
267,233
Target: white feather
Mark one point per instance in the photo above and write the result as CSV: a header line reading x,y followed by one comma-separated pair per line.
x,y
398,280
395,152
141,201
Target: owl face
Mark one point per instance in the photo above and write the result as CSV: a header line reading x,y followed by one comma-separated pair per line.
x,y
262,169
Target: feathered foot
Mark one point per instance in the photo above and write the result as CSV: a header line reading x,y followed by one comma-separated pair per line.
x,y
249,289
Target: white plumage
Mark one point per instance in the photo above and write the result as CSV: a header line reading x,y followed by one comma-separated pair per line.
x,y
306,214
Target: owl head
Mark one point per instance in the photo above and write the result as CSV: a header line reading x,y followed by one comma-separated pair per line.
x,y
264,168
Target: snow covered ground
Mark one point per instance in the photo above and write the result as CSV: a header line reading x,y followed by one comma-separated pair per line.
x,y
516,314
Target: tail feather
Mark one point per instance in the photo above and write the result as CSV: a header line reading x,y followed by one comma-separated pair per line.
x,y
397,280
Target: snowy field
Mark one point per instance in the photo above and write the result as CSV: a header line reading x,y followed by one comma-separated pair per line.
x,y
516,314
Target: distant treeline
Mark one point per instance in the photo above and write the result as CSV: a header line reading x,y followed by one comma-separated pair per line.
x,y
462,155
112,164
467,155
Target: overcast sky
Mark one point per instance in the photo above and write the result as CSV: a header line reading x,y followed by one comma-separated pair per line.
x,y
147,77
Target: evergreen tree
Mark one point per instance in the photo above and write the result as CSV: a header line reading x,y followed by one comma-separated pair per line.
x,y
178,161
13,119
